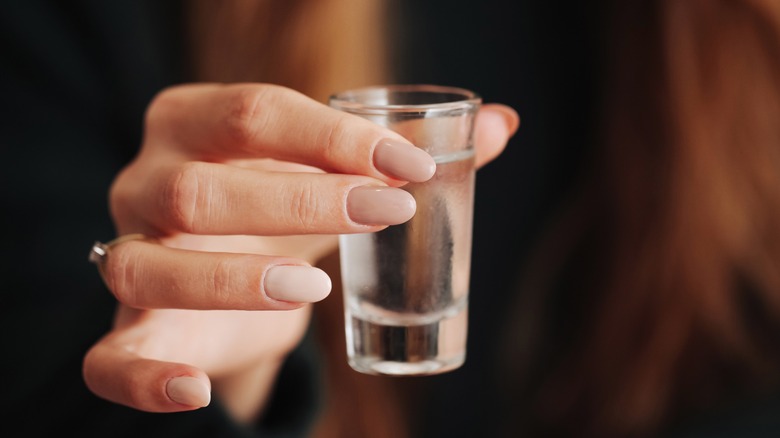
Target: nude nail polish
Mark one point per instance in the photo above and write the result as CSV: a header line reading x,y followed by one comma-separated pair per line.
x,y
189,391
403,161
299,284
371,205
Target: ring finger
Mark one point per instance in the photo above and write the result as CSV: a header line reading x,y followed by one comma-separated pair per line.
x,y
144,274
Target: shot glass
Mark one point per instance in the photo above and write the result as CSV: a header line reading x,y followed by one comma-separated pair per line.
x,y
406,287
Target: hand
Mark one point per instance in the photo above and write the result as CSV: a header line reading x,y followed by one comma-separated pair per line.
x,y
244,187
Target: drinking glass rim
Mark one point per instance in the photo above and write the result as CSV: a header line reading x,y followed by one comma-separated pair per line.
x,y
346,100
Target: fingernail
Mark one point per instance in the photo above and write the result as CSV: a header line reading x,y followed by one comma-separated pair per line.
x,y
188,391
299,284
403,161
380,205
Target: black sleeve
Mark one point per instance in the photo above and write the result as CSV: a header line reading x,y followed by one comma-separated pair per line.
x,y
755,417
75,79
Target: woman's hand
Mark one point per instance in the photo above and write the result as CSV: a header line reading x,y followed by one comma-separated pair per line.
x,y
241,188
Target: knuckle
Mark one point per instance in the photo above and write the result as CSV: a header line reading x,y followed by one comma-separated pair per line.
x,y
121,195
221,282
230,282
245,116
333,135
162,106
88,365
122,270
305,207
184,195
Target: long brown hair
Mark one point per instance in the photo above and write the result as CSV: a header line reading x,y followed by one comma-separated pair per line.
x,y
317,47
673,291
314,46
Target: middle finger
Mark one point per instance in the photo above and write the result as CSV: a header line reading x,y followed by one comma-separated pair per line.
x,y
211,198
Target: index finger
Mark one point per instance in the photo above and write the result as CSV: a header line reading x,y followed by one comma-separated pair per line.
x,y
215,122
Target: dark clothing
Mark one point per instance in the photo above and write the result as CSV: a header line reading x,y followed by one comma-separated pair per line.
x,y
76,77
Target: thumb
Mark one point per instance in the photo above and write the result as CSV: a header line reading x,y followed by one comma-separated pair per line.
x,y
495,125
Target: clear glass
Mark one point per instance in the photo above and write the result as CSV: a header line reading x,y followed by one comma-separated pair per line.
x,y
406,287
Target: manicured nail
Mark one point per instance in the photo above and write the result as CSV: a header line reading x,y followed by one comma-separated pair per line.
x,y
188,391
403,161
299,284
380,205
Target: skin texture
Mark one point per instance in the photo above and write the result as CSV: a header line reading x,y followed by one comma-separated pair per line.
x,y
231,181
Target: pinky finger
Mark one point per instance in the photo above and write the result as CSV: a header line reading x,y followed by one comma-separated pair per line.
x,y
121,376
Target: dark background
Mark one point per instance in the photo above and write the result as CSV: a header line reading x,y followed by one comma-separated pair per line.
x,y
542,59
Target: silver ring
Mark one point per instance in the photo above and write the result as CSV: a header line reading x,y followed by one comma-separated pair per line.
x,y
99,252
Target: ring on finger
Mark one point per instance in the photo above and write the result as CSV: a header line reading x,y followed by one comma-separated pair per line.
x,y
100,251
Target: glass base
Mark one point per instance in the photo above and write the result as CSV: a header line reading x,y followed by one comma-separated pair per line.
x,y
406,350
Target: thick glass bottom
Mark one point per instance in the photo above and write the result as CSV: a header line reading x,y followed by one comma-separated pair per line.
x,y
405,350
